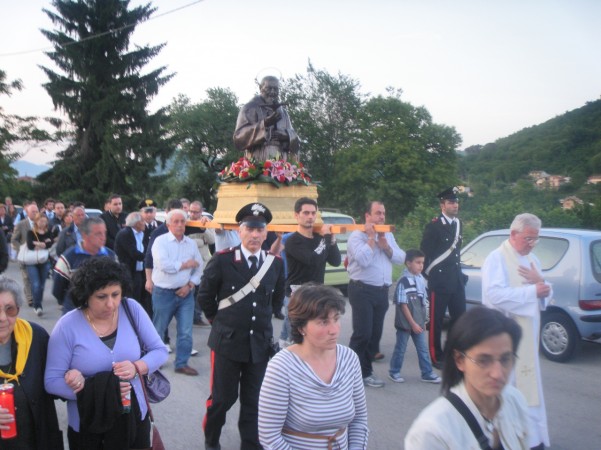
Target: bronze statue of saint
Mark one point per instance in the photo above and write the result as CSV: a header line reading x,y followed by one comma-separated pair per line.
x,y
263,130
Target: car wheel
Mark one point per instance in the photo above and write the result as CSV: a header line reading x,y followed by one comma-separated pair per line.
x,y
558,337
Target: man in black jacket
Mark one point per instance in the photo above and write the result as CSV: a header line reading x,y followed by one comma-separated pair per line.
x,y
71,235
441,243
114,219
241,334
129,247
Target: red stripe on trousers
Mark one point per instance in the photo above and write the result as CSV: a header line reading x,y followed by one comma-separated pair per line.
x,y
210,399
431,333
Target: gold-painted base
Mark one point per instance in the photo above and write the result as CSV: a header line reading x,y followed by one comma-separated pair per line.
x,y
280,201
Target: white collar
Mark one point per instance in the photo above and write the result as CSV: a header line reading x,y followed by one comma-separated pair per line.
x,y
247,253
449,220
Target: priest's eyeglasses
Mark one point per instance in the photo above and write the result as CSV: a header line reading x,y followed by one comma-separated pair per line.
x,y
487,361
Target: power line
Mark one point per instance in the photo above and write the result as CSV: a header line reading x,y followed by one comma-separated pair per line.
x,y
98,35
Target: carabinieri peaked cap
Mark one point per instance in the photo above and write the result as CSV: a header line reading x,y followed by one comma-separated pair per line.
x,y
449,194
254,215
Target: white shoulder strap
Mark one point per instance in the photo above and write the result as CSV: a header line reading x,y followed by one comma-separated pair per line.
x,y
251,286
444,256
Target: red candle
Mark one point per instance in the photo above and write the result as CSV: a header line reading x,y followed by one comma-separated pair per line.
x,y
7,401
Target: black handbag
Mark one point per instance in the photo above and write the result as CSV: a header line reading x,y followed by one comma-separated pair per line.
x,y
157,386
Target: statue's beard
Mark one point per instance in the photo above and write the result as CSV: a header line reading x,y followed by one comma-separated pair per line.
x,y
271,99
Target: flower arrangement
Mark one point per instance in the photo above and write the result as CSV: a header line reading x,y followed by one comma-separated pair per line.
x,y
275,171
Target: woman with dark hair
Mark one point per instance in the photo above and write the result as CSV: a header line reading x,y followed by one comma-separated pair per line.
x,y
23,347
479,357
94,356
313,395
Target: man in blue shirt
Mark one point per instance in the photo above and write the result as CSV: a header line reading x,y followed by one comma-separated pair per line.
x,y
371,256
93,238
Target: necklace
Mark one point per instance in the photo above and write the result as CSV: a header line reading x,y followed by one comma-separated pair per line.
x,y
109,329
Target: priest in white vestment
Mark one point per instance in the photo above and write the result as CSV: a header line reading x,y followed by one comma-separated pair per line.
x,y
512,282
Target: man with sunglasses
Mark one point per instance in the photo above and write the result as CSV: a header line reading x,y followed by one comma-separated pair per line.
x,y
512,282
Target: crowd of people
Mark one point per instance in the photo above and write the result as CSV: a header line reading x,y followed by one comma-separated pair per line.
x,y
121,279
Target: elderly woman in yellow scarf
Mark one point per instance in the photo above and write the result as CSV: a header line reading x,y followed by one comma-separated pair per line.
x,y
22,362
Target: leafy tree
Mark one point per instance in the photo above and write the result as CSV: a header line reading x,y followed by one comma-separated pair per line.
x,y
325,111
116,142
203,135
15,129
399,155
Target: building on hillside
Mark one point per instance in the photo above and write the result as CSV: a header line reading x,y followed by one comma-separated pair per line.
x,y
536,174
570,202
466,190
551,181
594,179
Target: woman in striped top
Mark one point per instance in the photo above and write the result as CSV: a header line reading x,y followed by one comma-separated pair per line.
x,y
313,395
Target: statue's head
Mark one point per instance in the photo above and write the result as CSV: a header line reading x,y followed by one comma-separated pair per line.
x,y
270,89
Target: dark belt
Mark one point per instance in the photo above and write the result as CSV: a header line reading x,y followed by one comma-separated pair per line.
x,y
171,289
361,283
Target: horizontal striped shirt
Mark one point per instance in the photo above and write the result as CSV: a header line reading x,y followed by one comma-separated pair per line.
x,y
294,397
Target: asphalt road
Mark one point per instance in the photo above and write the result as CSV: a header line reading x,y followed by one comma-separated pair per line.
x,y
572,393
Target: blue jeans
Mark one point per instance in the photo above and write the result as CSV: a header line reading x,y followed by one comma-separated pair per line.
x,y
166,305
421,345
38,273
285,333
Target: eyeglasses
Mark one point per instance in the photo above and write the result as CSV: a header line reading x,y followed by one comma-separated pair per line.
x,y
10,310
148,210
487,361
532,240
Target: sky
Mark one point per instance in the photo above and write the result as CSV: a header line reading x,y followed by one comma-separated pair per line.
x,y
487,68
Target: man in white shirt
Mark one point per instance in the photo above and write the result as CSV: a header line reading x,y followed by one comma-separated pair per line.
x,y
175,275
512,282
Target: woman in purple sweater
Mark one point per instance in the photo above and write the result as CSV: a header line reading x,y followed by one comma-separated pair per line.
x,y
93,355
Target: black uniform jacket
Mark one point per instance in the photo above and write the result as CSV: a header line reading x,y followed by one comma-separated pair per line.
x,y
243,331
127,250
438,237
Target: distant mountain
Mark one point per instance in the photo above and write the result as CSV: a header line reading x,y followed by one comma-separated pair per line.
x,y
568,145
26,168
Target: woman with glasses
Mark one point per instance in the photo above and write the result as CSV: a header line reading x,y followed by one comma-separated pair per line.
x,y
22,361
479,358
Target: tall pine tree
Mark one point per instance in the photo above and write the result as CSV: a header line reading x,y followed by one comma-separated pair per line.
x,y
116,142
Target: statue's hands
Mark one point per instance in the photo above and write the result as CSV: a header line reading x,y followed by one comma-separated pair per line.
x,y
272,118
280,135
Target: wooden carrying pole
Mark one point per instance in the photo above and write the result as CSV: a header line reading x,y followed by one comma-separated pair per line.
x,y
336,228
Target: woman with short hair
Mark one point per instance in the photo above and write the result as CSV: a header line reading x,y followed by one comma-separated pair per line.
x,y
313,394
23,347
94,357
479,358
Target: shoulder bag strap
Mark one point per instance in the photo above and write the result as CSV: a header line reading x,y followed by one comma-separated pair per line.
x,y
124,301
462,408
145,394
